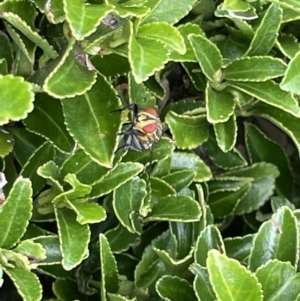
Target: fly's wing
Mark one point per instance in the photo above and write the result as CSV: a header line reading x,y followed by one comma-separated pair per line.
x,y
133,141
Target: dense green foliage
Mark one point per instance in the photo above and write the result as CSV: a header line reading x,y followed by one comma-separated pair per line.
x,y
215,217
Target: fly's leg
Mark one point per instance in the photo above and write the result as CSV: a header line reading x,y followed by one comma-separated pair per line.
x,y
132,107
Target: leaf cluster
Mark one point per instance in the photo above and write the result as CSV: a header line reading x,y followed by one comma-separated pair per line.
x,y
216,216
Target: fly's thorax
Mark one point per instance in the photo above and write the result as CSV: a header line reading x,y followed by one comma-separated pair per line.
x,y
148,122
146,129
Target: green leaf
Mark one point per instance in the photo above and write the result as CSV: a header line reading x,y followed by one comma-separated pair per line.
x,y
185,30
10,172
24,66
83,19
207,54
86,170
26,143
33,231
232,281
175,208
105,63
202,286
31,249
145,56
184,237
162,167
6,50
219,105
256,69
150,268
239,247
77,191
174,266
27,47
51,244
50,171
6,145
288,45
70,233
277,202
276,239
122,173
288,123
223,203
229,160
232,48
13,259
17,14
115,297
182,160
87,121
219,184
128,199
270,93
195,133
16,98
291,79
262,149
3,67
155,86
120,239
160,189
88,213
209,238
293,4
15,213
56,271
197,78
167,10
26,282
139,94
285,277
266,34
47,120
175,289
262,186
42,155
42,207
65,289
180,179
165,33
236,5
55,13
109,272
226,133
126,9
69,77
289,14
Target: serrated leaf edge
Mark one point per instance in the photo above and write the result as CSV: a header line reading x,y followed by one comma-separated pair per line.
x,y
68,268
131,37
120,184
181,49
81,37
184,117
241,267
270,58
29,89
57,67
219,139
47,48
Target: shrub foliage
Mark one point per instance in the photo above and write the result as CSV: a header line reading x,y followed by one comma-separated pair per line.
x,y
214,217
